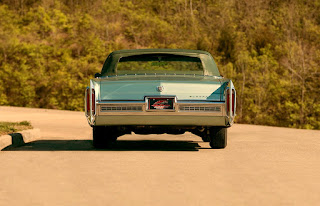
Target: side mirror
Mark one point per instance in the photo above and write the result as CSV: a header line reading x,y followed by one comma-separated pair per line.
x,y
97,75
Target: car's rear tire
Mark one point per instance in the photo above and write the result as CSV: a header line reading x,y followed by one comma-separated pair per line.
x,y
218,137
103,137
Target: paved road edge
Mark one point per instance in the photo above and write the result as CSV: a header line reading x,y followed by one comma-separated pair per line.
x,y
20,138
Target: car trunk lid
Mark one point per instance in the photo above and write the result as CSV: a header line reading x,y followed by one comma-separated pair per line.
x,y
137,88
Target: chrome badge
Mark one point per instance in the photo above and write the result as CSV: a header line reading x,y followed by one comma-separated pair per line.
x,y
160,88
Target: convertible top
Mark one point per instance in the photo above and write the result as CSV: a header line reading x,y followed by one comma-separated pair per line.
x,y
209,66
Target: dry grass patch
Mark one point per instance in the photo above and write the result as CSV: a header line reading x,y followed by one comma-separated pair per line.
x,y
11,127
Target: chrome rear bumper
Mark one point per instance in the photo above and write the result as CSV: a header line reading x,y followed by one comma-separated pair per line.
x,y
184,113
165,120
139,108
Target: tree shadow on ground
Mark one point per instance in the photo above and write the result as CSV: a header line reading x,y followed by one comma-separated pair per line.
x,y
120,145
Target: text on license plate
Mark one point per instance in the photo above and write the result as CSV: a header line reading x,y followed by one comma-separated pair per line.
x,y
160,103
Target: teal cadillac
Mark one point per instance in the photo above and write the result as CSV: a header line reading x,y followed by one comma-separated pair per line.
x,y
155,91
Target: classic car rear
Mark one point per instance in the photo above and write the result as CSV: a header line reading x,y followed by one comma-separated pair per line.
x,y
160,91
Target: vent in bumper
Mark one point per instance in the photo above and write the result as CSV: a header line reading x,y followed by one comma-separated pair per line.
x,y
111,108
200,108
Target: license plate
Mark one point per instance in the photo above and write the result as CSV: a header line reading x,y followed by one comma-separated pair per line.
x,y
160,103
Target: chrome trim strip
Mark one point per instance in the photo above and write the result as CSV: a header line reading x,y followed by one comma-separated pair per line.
x,y
92,115
161,114
85,102
90,92
199,102
143,101
120,102
178,112
121,108
160,74
230,101
199,108
235,101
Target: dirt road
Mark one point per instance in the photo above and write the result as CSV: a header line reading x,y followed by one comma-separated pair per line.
x,y
260,166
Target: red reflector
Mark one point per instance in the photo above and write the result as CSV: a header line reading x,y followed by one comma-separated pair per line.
x,y
233,101
93,102
228,101
88,102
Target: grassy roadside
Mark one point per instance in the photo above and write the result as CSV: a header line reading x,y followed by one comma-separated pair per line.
x,y
10,127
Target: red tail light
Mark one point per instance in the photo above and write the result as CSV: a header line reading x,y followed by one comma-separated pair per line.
x,y
228,101
88,102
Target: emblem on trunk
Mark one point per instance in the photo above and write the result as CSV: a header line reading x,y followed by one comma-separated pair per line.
x,y
160,88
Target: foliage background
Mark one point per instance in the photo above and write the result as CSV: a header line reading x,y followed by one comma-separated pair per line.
x,y
49,49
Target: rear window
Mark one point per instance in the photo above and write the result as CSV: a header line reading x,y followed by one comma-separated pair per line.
x,y
159,64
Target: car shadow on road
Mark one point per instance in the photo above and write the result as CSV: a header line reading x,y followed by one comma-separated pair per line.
x,y
120,145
